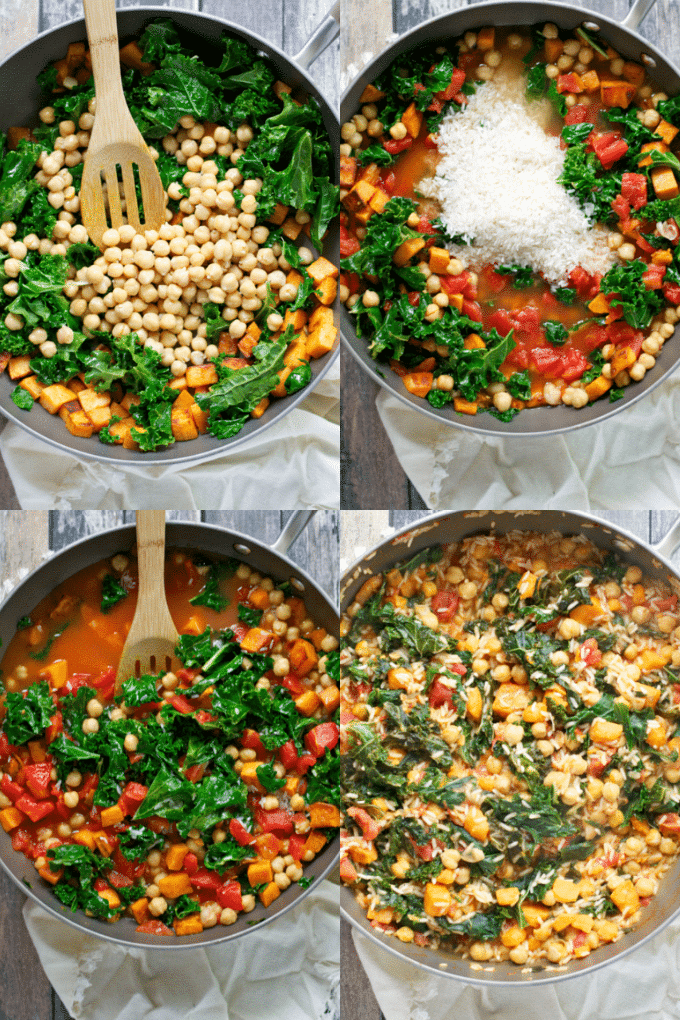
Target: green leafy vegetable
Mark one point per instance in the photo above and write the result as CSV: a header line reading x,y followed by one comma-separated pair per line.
x,y
28,713
112,593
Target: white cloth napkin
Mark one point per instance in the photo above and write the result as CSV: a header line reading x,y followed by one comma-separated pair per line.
x,y
288,970
630,461
293,465
645,985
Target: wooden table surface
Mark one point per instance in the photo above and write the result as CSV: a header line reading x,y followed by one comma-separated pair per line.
x,y
285,23
371,474
365,529
25,538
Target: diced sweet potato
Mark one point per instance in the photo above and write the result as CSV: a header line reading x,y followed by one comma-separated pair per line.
x,y
55,396
587,613
407,249
190,925
624,357
296,353
348,171
485,38
474,704
76,420
647,148
665,184
510,698
270,892
634,73
590,81
474,342
418,383
130,400
177,884
33,386
296,319
112,815
322,268
666,131
279,214
10,818
76,385
412,120
597,387
280,88
625,897
260,408
246,345
327,290
604,732
330,698
307,703
200,418
302,656
437,899
201,375
553,50
19,367
371,94
182,424
174,857
259,872
439,260
464,406
140,909
290,228
322,336
56,673
54,876
131,56
255,639
99,416
599,305
616,93
378,200
315,841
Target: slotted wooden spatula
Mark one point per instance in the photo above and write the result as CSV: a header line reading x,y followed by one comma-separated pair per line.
x,y
116,144
150,645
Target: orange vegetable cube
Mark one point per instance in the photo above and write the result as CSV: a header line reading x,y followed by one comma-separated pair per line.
x,y
412,120
616,93
256,639
290,228
597,387
270,892
85,838
140,909
418,383
464,406
174,857
54,876
314,843
20,366
486,38
201,375
190,925
249,775
177,884
55,396
259,872
371,94
307,703
322,268
666,131
112,815
665,184
56,673
407,249
323,815
302,656
10,818
279,214
330,698
111,897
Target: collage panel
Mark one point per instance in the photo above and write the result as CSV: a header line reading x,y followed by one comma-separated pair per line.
x,y
510,298
509,768
187,801
170,267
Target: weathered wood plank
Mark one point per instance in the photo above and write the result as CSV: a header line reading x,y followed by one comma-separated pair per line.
x,y
316,549
68,526
18,24
361,529
265,20
356,995
25,992
265,525
301,17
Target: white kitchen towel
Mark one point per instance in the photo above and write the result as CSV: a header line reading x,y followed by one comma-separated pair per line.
x,y
645,985
293,465
288,970
630,461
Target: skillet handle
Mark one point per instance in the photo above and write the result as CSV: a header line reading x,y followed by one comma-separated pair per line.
x,y
297,522
637,13
323,35
670,542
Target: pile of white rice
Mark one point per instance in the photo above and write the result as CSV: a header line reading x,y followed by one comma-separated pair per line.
x,y
497,184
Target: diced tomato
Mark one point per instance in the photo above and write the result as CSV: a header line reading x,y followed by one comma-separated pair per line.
x,y
35,809
585,284
580,939
671,291
21,840
204,879
229,895
348,872
195,773
154,928
437,104
547,361
6,749
527,325
454,86
251,740
100,884
288,755
445,605
349,244
105,683
294,684
669,824
495,281
368,825
574,364
414,298
569,83
132,796
62,810
37,778
393,146
119,881
10,788
518,357
430,141
279,821
590,652
387,182
296,845
608,147
425,227
622,333
500,321
472,310
76,681
325,735
181,704
130,869
634,189
239,630
576,114
190,863
239,832
595,337
461,284
304,762
440,694
55,728
159,825
268,845
426,853
662,605
187,676
610,860
653,277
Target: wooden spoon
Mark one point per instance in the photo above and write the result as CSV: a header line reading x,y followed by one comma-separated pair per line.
x,y
150,645
115,142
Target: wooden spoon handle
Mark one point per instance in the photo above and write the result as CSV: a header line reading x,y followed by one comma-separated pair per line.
x,y
102,35
151,558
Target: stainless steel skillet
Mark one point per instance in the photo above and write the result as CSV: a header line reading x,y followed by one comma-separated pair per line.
x,y
453,527
626,40
21,102
271,562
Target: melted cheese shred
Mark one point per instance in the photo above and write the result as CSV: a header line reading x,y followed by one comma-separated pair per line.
x,y
497,184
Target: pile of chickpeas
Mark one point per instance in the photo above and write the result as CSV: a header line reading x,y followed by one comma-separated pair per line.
x,y
155,284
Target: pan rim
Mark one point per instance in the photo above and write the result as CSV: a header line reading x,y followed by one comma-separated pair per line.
x,y
108,933
445,415
117,456
347,896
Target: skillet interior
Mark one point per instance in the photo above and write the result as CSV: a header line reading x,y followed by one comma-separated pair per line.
x,y
22,100
452,527
42,581
533,421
